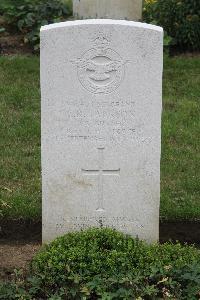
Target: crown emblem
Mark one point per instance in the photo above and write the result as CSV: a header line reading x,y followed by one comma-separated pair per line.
x,y
101,40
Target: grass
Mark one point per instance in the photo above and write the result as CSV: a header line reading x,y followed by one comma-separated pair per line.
x,y
20,189
180,164
20,182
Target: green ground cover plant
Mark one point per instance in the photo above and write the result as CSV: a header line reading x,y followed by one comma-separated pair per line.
x,y
20,182
105,264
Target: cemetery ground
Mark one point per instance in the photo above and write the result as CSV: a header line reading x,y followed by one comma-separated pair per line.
x,y
20,180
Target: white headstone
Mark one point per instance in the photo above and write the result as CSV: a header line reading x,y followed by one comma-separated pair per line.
x,y
101,83
108,9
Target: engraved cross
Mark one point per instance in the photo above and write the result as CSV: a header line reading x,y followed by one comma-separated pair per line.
x,y
101,172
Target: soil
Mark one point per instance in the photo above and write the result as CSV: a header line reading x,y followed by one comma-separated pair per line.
x,y
11,42
20,230
16,256
13,45
181,52
184,232
19,242
30,231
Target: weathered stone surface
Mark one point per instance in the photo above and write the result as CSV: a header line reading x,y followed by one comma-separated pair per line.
x,y
101,84
108,9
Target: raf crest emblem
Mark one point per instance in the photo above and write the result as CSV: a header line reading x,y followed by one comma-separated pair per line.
x,y
100,69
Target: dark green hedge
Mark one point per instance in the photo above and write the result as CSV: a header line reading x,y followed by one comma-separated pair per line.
x,y
179,18
105,264
27,17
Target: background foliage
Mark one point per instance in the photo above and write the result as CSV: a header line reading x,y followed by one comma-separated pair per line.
x,y
27,17
179,18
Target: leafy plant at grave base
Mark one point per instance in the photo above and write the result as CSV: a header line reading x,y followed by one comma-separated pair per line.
x,y
179,18
28,16
15,289
105,264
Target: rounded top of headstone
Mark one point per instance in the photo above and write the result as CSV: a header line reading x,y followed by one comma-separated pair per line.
x,y
101,22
